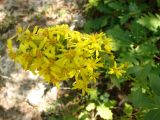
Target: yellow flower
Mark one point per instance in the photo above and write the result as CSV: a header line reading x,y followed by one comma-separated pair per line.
x,y
96,43
93,64
108,48
82,85
107,45
107,41
118,71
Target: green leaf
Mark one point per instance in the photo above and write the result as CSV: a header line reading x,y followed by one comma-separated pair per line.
x,y
93,2
157,100
131,58
150,21
141,73
104,8
124,18
138,32
83,116
128,109
105,97
141,100
115,81
104,112
116,5
93,94
95,24
90,106
133,8
152,115
107,1
155,83
120,36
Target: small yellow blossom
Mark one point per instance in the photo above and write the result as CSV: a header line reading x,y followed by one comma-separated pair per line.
x,y
93,64
107,45
118,71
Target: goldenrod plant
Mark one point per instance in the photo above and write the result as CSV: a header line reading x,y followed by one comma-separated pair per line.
x,y
58,53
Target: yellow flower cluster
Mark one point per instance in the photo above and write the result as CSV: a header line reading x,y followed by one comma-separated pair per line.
x,y
58,53
118,71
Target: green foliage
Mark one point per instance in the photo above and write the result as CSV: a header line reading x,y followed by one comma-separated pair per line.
x,y
96,24
152,115
120,36
154,78
82,107
101,106
150,21
142,100
128,109
135,37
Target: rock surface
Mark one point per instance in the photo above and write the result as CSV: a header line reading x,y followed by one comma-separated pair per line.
x,y
24,96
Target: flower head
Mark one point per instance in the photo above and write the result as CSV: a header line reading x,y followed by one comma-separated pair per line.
x,y
118,71
58,53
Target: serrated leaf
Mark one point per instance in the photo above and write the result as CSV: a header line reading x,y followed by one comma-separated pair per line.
x,y
133,8
141,73
124,18
116,5
120,36
138,32
150,21
140,99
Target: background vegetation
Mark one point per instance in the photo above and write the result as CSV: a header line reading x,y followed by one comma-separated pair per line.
x,y
134,27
